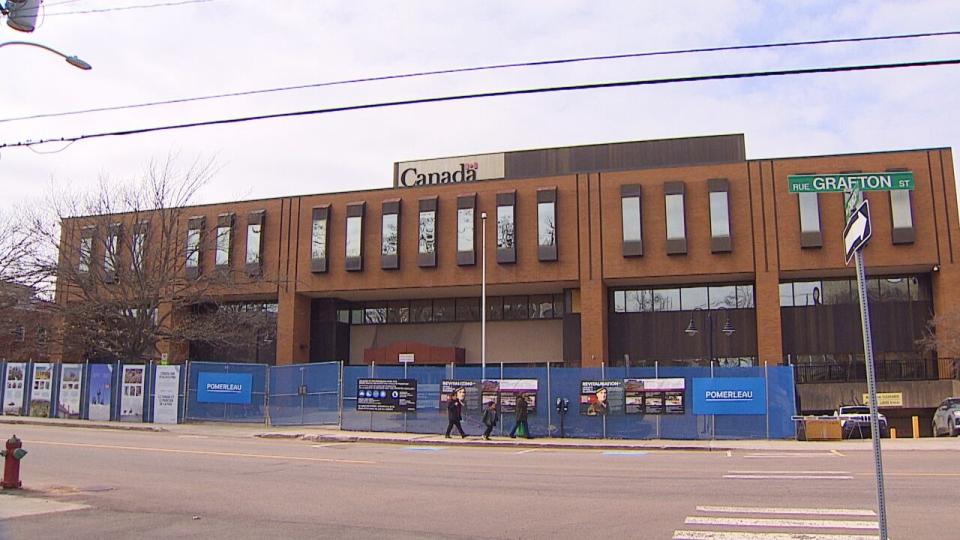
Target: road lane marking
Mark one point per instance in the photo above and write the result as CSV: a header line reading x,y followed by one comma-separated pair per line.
x,y
729,453
837,453
527,451
791,455
727,535
193,437
205,452
798,511
785,477
768,522
623,453
789,472
422,448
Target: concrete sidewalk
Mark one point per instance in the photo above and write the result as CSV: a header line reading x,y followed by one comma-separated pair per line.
x,y
321,434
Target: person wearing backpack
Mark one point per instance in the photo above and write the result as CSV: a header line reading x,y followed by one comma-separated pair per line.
x,y
489,418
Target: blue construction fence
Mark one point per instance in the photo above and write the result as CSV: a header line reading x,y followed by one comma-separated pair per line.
x,y
768,419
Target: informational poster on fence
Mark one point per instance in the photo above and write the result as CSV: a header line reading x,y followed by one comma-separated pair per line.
x,y
220,387
101,386
13,389
387,395
131,399
512,389
600,398
470,397
68,402
490,391
654,396
41,389
166,395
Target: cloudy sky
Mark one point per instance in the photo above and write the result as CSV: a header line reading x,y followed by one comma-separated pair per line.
x,y
224,46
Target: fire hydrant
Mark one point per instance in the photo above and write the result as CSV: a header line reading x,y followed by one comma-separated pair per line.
x,y
11,466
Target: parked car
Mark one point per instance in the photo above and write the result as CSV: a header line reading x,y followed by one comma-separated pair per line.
x,y
946,421
855,421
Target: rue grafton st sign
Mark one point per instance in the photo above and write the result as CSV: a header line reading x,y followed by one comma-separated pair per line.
x,y
831,183
454,170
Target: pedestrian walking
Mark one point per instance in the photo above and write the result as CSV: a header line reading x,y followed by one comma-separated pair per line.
x,y
455,412
489,418
520,428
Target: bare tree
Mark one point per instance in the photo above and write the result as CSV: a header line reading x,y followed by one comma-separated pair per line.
x,y
125,261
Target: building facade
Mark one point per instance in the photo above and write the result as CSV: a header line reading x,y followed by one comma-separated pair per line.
x,y
679,252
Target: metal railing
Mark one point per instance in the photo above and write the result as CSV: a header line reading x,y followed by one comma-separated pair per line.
x,y
898,370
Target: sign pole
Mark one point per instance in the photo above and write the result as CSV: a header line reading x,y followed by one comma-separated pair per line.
x,y
483,297
854,201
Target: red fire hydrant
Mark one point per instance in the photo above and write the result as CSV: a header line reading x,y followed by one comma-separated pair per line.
x,y
11,465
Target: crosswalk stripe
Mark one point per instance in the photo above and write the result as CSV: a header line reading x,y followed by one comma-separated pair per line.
x,y
786,477
798,511
768,522
728,535
793,455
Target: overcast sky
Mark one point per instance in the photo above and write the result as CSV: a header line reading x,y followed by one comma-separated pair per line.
x,y
220,46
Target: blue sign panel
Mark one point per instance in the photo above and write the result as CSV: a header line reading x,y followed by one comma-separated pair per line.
x,y
729,395
215,387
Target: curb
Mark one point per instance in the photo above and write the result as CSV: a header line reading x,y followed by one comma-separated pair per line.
x,y
494,443
117,426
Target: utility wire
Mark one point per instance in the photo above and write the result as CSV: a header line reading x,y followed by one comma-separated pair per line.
x,y
126,8
486,68
528,91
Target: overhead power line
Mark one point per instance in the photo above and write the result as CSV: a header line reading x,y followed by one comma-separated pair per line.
x,y
125,8
485,68
462,97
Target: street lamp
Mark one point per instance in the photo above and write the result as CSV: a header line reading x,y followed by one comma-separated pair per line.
x,y
72,60
483,296
692,330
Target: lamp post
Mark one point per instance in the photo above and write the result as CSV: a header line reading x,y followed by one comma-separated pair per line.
x,y
692,330
483,296
72,60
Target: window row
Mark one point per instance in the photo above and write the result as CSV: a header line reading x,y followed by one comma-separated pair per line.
x,y
844,291
631,204
116,245
683,298
429,235
901,216
499,308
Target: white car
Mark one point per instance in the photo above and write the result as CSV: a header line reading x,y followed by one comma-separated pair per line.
x,y
855,420
946,421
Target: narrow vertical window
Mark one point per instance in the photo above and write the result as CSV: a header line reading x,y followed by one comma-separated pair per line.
x,y
224,240
86,249
506,227
810,235
193,251
427,233
354,240
466,229
719,189
547,224
254,251
318,239
138,246
632,220
676,218
901,214
111,253
390,235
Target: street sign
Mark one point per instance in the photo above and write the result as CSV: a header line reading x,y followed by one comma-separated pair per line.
x,y
857,232
406,358
831,183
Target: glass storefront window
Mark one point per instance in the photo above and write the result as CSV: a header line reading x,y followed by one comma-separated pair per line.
x,y
666,300
676,226
193,248
398,312
894,290
719,215
421,310
253,243
318,245
619,301
786,295
505,228
541,307
495,308
745,296
465,229
354,232
468,309
444,310
514,308
546,224
693,298
428,232
807,293
631,219
723,297
809,212
223,246
390,239
838,292
375,315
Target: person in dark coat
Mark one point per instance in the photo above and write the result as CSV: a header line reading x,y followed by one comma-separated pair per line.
x,y
489,418
521,418
455,412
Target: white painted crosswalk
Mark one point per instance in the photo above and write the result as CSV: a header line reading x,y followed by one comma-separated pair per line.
x,y
778,523
792,455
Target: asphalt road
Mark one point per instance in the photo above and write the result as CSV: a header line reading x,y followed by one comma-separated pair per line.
x,y
169,485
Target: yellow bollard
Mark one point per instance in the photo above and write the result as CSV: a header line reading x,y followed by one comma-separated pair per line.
x,y
916,427
893,433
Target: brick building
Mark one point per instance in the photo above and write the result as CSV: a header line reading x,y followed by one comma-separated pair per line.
x,y
603,253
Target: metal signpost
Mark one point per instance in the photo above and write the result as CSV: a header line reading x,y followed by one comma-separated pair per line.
x,y
856,234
